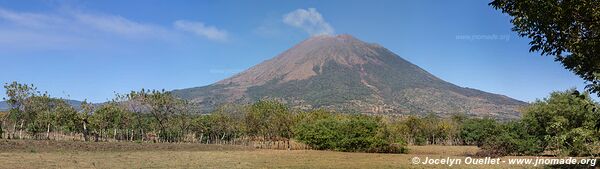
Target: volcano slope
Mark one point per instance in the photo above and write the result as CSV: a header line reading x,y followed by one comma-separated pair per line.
x,y
345,74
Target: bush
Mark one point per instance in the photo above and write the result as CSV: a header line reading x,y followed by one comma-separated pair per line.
x,y
476,131
513,139
320,134
357,133
567,122
354,133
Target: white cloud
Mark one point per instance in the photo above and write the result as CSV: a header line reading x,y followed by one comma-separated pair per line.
x,y
200,29
310,20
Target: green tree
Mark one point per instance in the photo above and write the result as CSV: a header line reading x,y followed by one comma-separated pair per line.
x,y
38,114
399,131
67,118
137,103
221,126
568,30
17,94
416,131
269,119
50,114
110,116
566,122
182,119
201,127
163,106
86,111
230,120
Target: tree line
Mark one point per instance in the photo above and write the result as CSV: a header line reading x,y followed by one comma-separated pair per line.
x,y
566,123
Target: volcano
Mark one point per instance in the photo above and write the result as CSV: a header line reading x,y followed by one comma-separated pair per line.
x,y
344,74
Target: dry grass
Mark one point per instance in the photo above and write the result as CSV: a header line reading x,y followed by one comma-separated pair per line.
x,y
42,154
43,146
443,150
215,159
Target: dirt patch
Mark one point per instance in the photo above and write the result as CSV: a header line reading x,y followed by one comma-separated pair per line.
x,y
66,146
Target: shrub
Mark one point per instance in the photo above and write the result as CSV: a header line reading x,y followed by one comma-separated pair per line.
x,y
513,139
347,133
320,134
476,131
566,121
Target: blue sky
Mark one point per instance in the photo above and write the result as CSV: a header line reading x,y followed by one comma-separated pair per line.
x,y
92,49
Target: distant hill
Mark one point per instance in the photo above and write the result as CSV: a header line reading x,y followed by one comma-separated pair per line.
x,y
345,74
4,106
76,104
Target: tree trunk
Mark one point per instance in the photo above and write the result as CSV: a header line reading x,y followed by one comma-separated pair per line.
x,y
95,136
1,131
158,136
48,132
142,134
21,130
14,130
201,136
85,131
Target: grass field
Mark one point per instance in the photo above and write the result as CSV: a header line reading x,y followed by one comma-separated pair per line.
x,y
57,154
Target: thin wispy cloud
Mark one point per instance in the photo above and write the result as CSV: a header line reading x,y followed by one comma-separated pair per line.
x,y
77,27
30,19
309,20
119,25
31,40
200,29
